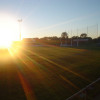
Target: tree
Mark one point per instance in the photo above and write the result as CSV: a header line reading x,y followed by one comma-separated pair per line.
x,y
64,38
83,35
75,37
64,35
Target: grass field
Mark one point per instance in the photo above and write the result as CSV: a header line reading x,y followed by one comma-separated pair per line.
x,y
49,73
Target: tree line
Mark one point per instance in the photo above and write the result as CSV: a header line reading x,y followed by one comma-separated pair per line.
x,y
83,39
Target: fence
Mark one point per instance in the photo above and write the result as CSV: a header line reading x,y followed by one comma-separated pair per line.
x,y
91,31
82,92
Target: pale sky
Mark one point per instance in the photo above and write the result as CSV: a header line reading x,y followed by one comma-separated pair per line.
x,y
52,17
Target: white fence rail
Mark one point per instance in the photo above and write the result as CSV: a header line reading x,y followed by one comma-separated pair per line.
x,y
82,90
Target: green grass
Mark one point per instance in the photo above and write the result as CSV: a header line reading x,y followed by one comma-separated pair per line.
x,y
53,73
60,72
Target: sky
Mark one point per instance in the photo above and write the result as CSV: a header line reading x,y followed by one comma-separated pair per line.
x,y
52,17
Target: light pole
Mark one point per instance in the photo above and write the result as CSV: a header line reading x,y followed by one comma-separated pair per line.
x,y
77,38
71,38
87,30
20,20
97,31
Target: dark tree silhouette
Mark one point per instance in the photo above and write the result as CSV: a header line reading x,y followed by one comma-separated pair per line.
x,y
64,38
64,35
83,35
75,37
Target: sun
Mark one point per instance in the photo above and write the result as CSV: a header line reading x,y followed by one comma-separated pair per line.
x,y
9,30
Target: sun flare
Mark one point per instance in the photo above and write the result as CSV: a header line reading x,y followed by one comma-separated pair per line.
x,y
9,30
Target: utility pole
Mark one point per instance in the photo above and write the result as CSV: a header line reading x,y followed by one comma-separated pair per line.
x,y
20,20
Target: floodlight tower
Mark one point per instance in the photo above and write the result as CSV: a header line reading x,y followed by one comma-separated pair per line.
x,y
87,30
20,20
71,38
97,31
77,39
